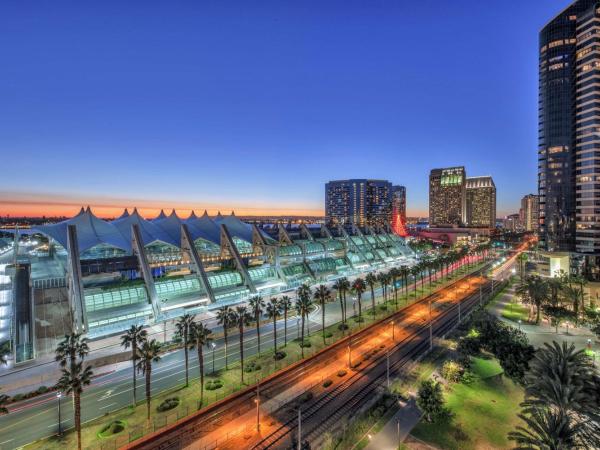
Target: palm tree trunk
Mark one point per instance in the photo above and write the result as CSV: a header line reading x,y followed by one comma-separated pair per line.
x,y
258,331
133,354
307,325
148,394
186,356
341,298
323,318
373,300
302,338
225,337
77,413
201,367
285,312
275,333
242,351
359,307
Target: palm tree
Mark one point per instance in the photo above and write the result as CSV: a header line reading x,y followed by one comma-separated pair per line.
x,y
323,295
241,317
273,312
522,260
564,378
339,286
4,352
359,287
414,271
371,279
394,273
182,327
303,304
256,305
286,304
70,354
133,338
537,292
4,399
199,337
404,273
305,292
149,352
548,429
224,316
575,296
384,280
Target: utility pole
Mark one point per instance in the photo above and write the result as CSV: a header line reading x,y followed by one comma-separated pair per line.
x,y
350,353
430,328
258,407
388,369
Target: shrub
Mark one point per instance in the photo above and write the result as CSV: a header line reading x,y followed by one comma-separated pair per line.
x,y
252,366
307,396
431,401
327,383
469,345
328,334
306,344
356,364
168,404
212,385
342,326
359,319
452,371
279,355
42,390
18,397
341,373
112,428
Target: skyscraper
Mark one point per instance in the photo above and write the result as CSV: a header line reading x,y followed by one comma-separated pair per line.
x,y
569,143
481,202
529,213
359,201
399,210
447,197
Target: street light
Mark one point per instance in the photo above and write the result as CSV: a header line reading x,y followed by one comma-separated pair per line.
x,y
387,357
213,346
430,328
519,324
257,401
58,396
393,328
299,429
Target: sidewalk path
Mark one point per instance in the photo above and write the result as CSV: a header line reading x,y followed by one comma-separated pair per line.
x,y
397,428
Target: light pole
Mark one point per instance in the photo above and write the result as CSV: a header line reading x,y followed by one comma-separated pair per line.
x,y
393,334
299,429
519,324
213,346
398,422
349,354
58,396
430,328
257,400
387,358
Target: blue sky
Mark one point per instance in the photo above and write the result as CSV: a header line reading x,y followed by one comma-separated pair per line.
x,y
237,104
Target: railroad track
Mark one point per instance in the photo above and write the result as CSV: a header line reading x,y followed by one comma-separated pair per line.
x,y
337,403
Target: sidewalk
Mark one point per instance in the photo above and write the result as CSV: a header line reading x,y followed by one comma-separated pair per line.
x,y
397,428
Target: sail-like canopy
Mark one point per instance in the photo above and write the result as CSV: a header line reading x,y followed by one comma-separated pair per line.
x,y
150,231
170,225
91,231
204,228
235,226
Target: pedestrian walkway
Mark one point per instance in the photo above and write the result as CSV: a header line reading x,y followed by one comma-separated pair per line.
x,y
397,428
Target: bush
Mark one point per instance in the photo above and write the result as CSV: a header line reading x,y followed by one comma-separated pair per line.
x,y
328,334
252,366
18,397
327,383
356,364
431,401
167,404
212,385
469,345
343,326
452,371
307,396
279,355
112,428
341,373
42,389
306,344
359,319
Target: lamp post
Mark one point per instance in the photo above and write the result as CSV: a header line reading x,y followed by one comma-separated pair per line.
x,y
257,400
213,347
398,426
58,396
393,334
350,353
430,328
589,344
299,429
387,358
519,324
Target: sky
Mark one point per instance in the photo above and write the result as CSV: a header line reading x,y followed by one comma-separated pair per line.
x,y
253,106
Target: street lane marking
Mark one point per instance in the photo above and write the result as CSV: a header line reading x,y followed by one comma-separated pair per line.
x,y
107,406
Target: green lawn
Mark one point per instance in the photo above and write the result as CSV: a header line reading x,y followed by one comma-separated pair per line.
x,y
516,312
483,411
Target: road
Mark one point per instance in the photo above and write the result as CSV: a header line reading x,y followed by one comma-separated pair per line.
x,y
38,418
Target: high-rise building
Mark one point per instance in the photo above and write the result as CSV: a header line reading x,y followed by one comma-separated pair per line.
x,y
529,213
359,201
569,139
513,222
481,202
399,210
447,197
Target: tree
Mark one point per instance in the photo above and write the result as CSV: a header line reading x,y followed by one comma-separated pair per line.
x,y
4,399
183,327
286,304
257,305
556,315
414,271
224,318
4,352
241,317
574,296
149,352
394,273
549,429
404,273
371,279
273,312
431,400
305,293
200,337
384,281
70,354
359,287
303,304
133,338
340,286
322,295
534,290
